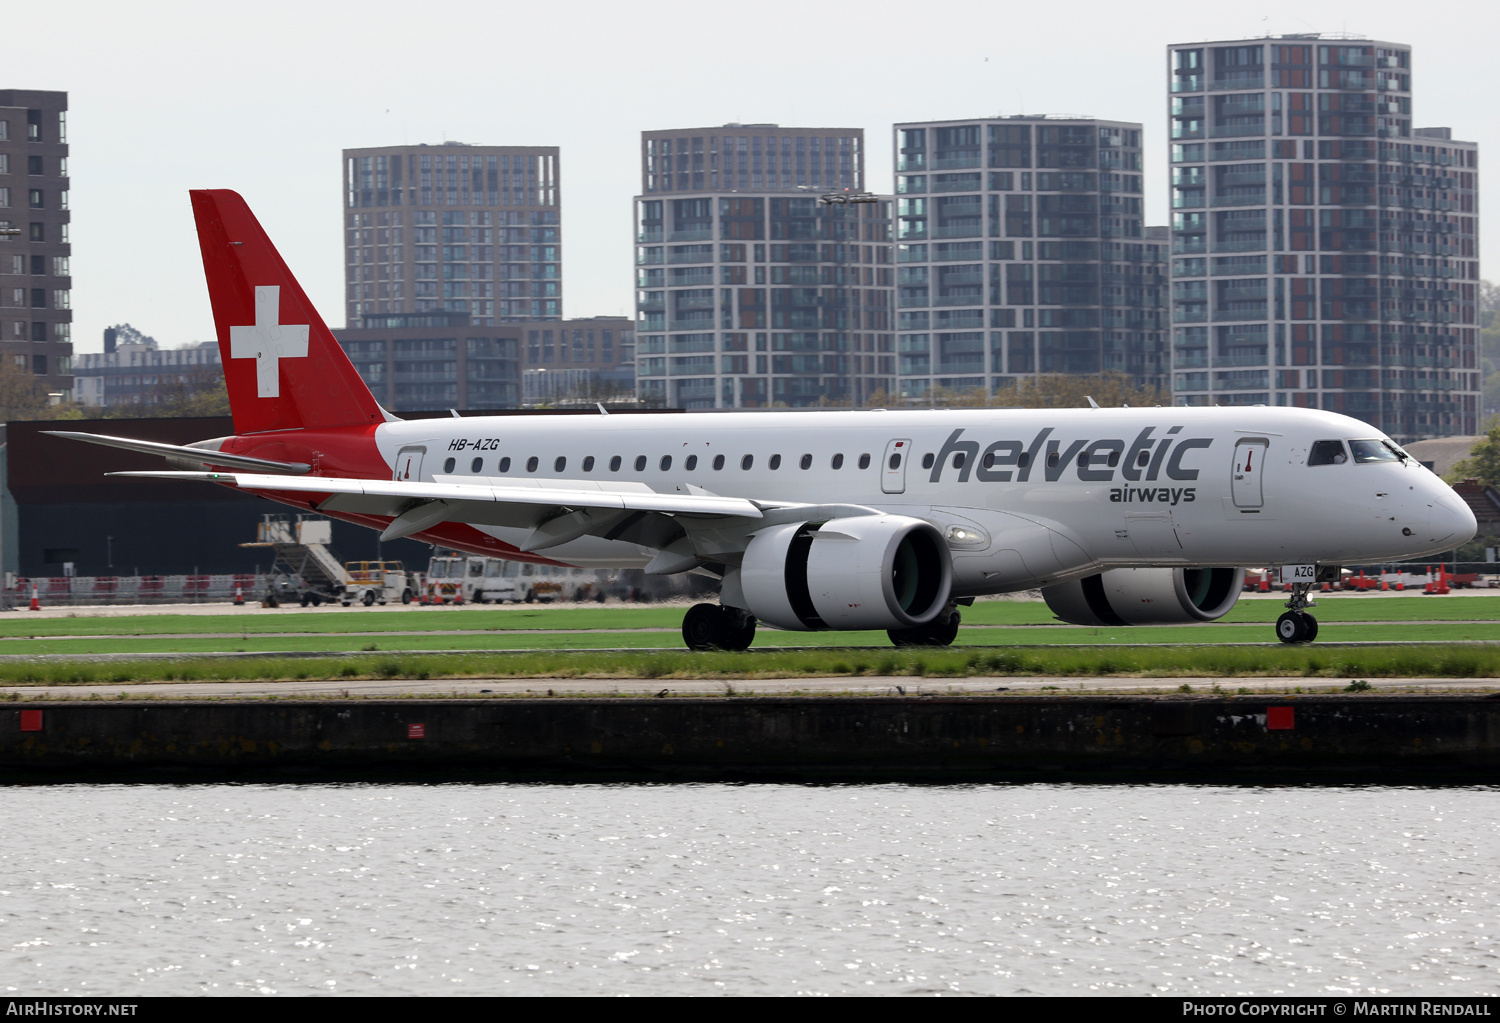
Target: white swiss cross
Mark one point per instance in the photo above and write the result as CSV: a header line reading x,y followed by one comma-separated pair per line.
x,y
268,342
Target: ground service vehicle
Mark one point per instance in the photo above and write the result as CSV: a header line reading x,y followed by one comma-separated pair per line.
x,y
816,520
376,582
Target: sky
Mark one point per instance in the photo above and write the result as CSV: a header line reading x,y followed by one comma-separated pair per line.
x,y
262,98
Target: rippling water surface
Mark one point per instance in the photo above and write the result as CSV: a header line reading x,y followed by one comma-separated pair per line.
x,y
709,889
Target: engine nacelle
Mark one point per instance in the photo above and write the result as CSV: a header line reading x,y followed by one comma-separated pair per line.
x,y
1147,596
865,572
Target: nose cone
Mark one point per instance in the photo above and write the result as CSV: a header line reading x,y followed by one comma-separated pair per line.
x,y
1450,521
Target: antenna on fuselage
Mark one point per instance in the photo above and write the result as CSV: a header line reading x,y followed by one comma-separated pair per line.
x,y
1091,401
602,410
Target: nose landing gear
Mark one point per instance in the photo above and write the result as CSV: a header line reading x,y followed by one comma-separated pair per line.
x,y
1295,625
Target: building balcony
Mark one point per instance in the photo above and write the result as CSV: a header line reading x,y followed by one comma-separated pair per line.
x,y
1227,131
1249,311
956,162
1247,84
1255,246
1191,360
1239,200
1187,83
1227,361
1189,316
697,234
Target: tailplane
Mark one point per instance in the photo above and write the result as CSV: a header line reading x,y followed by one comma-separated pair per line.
x,y
282,365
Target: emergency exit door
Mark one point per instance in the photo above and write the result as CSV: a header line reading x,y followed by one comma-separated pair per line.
x,y
409,463
893,469
1249,465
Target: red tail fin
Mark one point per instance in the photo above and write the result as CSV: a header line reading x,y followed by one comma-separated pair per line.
x,y
282,365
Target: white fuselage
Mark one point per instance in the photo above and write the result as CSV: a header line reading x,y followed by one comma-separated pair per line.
x,y
1024,497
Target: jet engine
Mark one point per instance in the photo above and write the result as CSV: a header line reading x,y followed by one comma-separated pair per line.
x,y
1146,596
864,572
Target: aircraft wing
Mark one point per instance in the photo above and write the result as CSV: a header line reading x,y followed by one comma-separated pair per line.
x,y
557,510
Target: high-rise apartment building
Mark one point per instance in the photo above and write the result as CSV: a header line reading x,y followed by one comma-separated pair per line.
x,y
455,229
1021,249
36,282
751,292
1325,252
436,361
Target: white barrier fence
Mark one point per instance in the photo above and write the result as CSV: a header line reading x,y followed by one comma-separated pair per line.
x,y
79,590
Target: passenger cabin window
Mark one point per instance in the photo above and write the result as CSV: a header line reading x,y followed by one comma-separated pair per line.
x,y
747,461
1327,452
1142,458
588,463
476,465
775,462
505,464
806,462
838,461
531,464
559,464
958,460
1373,451
927,460
896,460
449,464
718,462
640,463
864,461
614,464
690,463
666,462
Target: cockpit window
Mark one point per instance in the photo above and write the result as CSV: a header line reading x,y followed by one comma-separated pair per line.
x,y
1373,451
1327,452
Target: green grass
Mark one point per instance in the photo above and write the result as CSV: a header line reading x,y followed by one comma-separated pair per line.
x,y
511,620
1149,662
765,637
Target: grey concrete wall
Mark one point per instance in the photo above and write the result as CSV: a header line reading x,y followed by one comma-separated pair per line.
x,y
886,738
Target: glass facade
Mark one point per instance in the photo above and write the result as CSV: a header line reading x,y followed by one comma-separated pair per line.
x,y
1324,252
764,296
1020,249
458,229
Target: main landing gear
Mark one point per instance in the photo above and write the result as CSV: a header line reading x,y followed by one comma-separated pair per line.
x,y
1296,625
941,631
712,627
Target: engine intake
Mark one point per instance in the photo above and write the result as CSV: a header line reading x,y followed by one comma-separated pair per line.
x,y
865,572
1146,596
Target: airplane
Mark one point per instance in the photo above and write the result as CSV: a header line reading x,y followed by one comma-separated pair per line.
x,y
845,519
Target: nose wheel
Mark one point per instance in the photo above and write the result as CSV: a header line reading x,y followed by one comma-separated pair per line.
x,y
1295,625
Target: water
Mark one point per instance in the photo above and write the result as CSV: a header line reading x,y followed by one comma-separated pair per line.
x,y
764,889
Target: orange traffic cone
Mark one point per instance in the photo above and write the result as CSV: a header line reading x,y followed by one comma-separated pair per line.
x,y
458,596
1265,583
36,603
239,597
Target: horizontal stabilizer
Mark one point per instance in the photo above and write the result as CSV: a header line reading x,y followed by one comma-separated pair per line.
x,y
203,456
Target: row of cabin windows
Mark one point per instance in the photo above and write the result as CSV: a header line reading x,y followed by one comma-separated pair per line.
x,y
690,463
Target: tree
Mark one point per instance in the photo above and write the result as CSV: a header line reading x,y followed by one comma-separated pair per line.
x,y
1483,462
22,396
196,392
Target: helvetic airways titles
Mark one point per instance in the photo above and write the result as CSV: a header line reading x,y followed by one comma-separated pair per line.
x,y
1004,461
